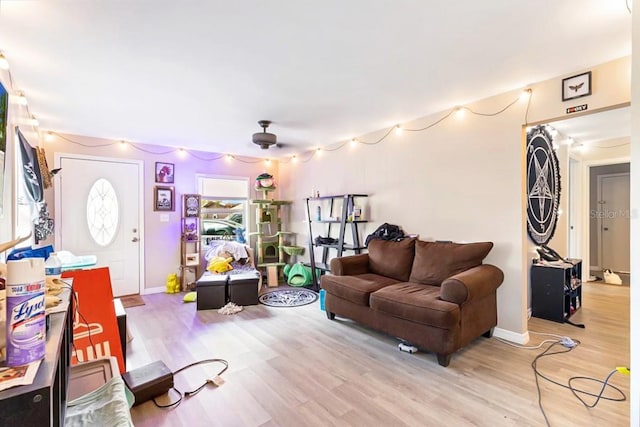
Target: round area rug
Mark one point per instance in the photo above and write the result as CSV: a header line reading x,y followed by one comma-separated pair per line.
x,y
288,297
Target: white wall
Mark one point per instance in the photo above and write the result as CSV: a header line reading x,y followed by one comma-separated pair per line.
x,y
635,225
460,180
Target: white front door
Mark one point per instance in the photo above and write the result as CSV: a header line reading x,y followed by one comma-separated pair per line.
x,y
98,213
614,203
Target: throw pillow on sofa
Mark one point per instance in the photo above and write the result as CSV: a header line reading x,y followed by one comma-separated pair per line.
x,y
391,259
436,261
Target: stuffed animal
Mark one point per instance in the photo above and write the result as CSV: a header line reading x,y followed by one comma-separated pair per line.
x,y
265,181
173,286
219,264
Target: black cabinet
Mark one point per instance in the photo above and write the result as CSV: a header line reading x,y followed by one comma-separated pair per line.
x,y
44,402
556,289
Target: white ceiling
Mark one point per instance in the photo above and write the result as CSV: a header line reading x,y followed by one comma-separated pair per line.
x,y
200,74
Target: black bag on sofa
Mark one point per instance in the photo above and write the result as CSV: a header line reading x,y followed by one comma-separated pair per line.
x,y
386,232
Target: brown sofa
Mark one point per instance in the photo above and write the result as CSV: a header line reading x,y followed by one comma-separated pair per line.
x,y
437,296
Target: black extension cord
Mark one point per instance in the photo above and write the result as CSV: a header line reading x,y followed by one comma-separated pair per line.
x,y
197,390
576,391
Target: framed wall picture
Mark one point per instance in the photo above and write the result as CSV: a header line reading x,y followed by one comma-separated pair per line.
x,y
164,172
191,205
163,199
576,86
190,229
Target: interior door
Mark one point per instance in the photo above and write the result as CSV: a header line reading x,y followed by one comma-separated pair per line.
x,y
613,199
98,213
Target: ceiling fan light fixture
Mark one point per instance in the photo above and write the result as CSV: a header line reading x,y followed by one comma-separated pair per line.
x,y
264,139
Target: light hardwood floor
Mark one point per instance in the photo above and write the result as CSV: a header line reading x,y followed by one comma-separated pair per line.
x,y
294,367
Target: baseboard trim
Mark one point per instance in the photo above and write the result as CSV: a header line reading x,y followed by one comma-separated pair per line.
x,y
156,290
511,336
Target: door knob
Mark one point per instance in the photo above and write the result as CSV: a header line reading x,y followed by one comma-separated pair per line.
x,y
605,228
135,239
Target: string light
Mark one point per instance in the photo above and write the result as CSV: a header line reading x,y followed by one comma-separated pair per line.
x,y
4,64
458,111
526,93
18,99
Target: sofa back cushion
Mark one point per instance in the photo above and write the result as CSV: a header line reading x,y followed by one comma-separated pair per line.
x,y
436,261
391,259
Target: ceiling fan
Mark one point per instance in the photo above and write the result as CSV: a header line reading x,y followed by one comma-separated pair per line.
x,y
265,139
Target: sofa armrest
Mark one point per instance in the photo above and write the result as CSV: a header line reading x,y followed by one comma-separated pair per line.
x,y
473,283
350,265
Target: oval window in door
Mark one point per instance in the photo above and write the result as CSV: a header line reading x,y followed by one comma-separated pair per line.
x,y
102,212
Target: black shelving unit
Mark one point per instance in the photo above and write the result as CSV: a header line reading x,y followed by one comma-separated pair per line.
x,y
329,220
556,290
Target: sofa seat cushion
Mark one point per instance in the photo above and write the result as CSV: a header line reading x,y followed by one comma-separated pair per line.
x,y
416,303
355,289
436,261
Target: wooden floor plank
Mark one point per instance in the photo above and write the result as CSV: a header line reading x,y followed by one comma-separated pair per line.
x,y
294,367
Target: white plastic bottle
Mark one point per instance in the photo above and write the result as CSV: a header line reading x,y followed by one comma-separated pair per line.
x,y
53,266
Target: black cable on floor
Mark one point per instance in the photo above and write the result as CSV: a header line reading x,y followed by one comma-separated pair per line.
x,y
575,391
193,392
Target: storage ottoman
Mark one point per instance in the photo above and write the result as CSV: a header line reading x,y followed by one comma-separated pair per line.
x,y
211,291
243,287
